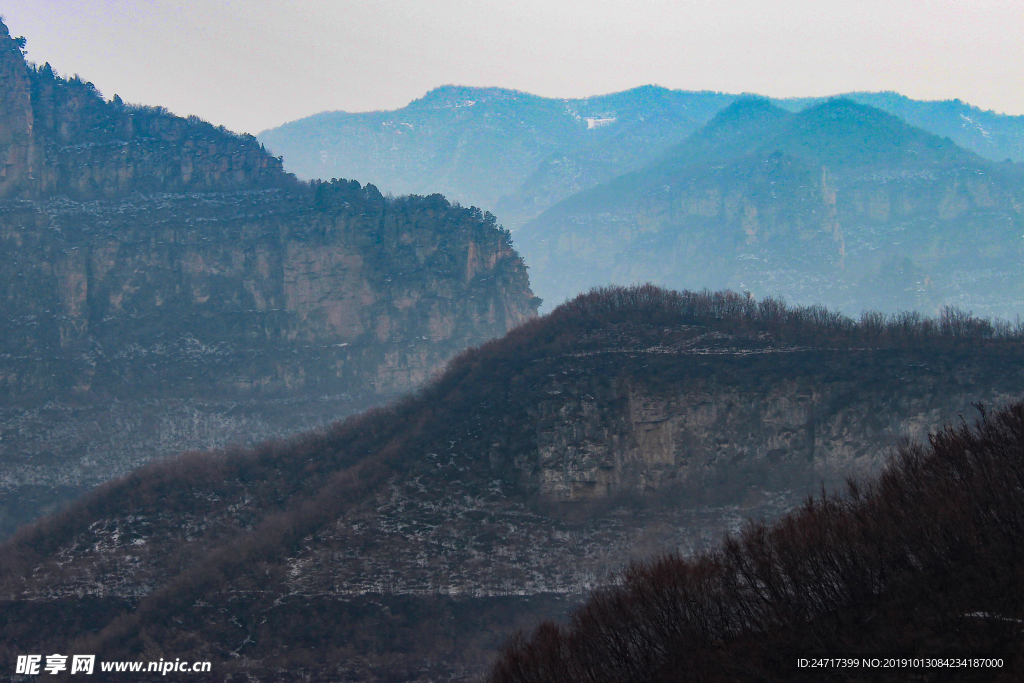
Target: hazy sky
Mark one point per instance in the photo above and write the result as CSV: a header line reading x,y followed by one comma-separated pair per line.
x,y
254,64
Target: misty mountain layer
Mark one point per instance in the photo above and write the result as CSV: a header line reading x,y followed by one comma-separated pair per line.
x,y
840,204
517,154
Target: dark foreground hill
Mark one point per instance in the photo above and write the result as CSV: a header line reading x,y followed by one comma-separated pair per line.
x,y
407,543
922,564
165,286
840,204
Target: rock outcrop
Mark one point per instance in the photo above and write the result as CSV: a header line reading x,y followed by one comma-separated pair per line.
x,y
58,136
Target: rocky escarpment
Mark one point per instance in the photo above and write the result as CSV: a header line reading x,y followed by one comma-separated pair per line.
x,y
166,286
624,424
721,417
142,327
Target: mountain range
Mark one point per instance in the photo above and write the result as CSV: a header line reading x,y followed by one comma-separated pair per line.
x,y
866,201
312,431
840,204
517,154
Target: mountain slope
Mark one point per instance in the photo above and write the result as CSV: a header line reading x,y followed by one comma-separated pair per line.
x,y
841,204
420,535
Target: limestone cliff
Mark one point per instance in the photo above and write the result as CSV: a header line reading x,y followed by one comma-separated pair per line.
x,y
166,286
138,328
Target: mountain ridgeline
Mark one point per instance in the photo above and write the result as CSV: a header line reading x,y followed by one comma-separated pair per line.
x,y
509,151
840,204
518,154
408,542
166,286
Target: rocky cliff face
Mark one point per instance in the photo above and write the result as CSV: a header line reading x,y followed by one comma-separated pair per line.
x,y
165,286
138,328
527,474
739,423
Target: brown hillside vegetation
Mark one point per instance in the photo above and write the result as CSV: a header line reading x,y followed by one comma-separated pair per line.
x,y
924,561
408,542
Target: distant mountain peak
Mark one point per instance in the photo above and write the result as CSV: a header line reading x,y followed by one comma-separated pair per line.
x,y
844,111
734,131
453,96
747,105
745,111
840,131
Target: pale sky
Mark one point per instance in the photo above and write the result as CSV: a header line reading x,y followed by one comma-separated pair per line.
x,y
255,64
